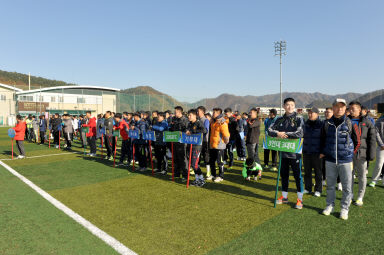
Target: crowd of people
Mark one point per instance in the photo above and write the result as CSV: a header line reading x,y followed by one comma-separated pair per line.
x,y
337,148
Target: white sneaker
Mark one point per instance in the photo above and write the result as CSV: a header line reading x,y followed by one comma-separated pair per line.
x,y
20,157
256,178
328,210
209,178
163,172
317,194
248,178
305,191
218,179
339,186
324,183
359,202
344,214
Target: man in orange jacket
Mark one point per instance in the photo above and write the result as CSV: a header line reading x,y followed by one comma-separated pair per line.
x,y
19,137
219,138
91,135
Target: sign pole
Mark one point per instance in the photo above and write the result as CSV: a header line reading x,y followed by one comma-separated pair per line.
x,y
173,166
189,165
277,181
150,154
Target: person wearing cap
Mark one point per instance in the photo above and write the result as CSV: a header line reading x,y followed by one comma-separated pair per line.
x,y
311,152
338,141
267,123
289,126
365,149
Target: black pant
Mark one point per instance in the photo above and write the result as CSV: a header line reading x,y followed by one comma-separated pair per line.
x,y
313,161
68,139
196,149
56,137
205,153
229,153
295,165
42,137
108,139
20,147
125,151
253,151
140,153
160,154
180,159
92,144
216,155
266,157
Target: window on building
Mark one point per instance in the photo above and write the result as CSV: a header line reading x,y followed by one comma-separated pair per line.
x,y
61,99
53,99
41,98
81,100
3,98
26,98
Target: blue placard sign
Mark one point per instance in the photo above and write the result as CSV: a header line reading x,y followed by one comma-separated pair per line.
x,y
149,135
134,134
196,139
11,133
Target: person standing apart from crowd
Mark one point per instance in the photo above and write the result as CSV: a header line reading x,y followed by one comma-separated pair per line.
x,y
218,139
365,149
311,152
253,135
289,126
338,141
267,123
20,127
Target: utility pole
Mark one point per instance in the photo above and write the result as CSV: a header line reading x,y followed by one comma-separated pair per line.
x,y
280,50
29,81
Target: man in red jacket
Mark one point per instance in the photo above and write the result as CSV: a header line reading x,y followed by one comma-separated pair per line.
x,y
125,150
19,137
91,135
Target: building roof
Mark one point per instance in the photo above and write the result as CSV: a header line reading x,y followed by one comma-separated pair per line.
x,y
10,87
20,92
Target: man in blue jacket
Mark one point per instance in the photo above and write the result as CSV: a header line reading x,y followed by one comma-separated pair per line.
x,y
160,126
338,141
311,152
42,128
140,144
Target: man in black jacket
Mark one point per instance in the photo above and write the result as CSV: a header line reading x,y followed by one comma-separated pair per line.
x,y
179,123
311,152
234,132
108,136
289,126
56,128
365,149
253,134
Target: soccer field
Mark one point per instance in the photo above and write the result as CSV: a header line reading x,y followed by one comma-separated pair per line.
x,y
153,215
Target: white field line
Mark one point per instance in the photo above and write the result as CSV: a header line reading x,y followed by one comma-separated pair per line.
x,y
47,155
111,241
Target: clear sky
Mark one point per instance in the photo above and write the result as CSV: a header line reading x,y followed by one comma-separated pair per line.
x,y
198,48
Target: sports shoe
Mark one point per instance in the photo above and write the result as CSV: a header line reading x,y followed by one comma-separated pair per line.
x,y
274,168
266,166
282,200
299,204
209,178
92,154
110,158
255,178
218,179
56,146
359,202
317,194
339,187
163,172
20,157
305,191
248,178
106,157
191,172
328,210
372,184
344,214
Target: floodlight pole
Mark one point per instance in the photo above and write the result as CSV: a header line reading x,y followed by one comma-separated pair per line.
x,y
280,50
